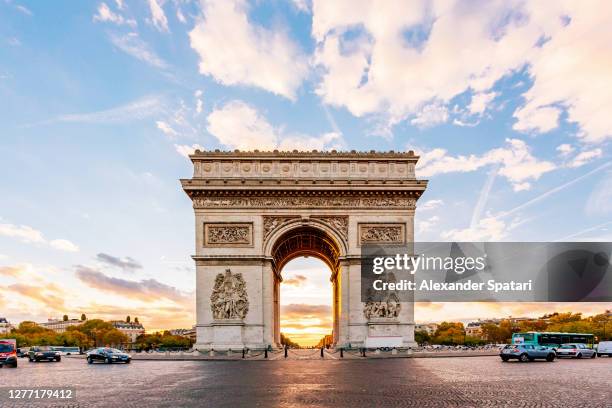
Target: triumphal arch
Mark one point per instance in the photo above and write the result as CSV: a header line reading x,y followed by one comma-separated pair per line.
x,y
255,211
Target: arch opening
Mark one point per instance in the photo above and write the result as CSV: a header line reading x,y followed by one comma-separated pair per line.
x,y
306,241
306,303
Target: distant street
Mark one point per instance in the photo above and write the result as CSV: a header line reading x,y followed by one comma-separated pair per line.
x,y
424,382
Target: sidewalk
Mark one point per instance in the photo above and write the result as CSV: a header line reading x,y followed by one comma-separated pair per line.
x,y
301,354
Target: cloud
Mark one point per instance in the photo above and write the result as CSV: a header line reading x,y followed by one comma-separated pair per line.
x,y
24,233
23,9
600,199
488,229
301,5
570,71
430,115
122,263
565,149
296,280
431,205
12,271
186,150
147,290
105,14
133,45
585,157
136,110
516,162
63,245
374,60
166,129
239,125
305,309
49,294
158,18
29,235
541,120
480,102
199,104
235,51
428,224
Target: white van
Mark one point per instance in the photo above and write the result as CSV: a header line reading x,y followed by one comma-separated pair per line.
x,y
604,348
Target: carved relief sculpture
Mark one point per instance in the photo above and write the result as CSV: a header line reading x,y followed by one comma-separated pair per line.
x,y
272,223
382,233
229,298
223,234
389,309
340,223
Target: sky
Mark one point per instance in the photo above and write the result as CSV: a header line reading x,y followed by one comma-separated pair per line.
x,y
507,103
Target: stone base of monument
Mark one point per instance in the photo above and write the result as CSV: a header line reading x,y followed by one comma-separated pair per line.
x,y
389,332
227,334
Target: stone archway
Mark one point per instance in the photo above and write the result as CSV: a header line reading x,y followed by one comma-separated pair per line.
x,y
306,240
255,211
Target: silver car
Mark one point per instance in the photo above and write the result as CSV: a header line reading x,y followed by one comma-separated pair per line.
x,y
576,350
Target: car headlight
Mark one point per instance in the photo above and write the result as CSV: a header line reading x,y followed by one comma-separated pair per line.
x,y
57,353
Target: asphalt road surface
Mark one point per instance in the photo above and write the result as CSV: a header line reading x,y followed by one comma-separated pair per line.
x,y
425,382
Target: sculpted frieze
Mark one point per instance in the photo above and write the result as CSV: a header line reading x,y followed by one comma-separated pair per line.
x,y
227,233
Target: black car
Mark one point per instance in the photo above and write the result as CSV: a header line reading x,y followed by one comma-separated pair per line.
x,y
43,353
108,355
8,356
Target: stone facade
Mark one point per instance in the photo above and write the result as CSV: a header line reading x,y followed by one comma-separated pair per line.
x,y
255,211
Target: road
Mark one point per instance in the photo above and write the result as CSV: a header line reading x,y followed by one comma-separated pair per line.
x,y
426,382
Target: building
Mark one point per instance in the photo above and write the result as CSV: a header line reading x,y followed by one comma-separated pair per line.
x,y
5,326
474,329
131,330
60,326
189,333
429,328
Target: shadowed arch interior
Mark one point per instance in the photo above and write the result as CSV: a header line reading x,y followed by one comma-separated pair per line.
x,y
305,241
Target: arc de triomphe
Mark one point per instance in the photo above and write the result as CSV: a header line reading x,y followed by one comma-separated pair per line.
x,y
255,211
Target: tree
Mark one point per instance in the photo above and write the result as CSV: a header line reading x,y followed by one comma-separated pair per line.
x,y
114,337
421,337
127,319
449,333
65,318
83,317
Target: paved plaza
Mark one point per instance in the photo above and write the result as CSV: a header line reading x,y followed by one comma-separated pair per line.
x,y
402,382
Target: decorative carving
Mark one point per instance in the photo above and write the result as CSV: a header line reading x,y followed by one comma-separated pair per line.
x,y
304,202
340,223
389,309
270,223
382,233
227,233
229,298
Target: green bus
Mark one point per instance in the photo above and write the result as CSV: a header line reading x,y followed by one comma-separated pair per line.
x,y
552,339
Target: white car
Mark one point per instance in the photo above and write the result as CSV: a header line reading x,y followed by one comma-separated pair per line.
x,y
604,348
576,350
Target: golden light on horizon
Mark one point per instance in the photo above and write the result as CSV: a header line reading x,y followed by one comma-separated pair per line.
x,y
306,300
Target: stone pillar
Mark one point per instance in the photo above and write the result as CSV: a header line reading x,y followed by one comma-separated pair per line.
x,y
268,307
342,299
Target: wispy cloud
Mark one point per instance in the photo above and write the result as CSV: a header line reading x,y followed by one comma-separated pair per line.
x,y
29,235
158,17
515,161
146,290
133,45
105,14
122,263
138,109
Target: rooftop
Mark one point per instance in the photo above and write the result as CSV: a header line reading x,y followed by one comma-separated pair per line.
x,y
372,154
